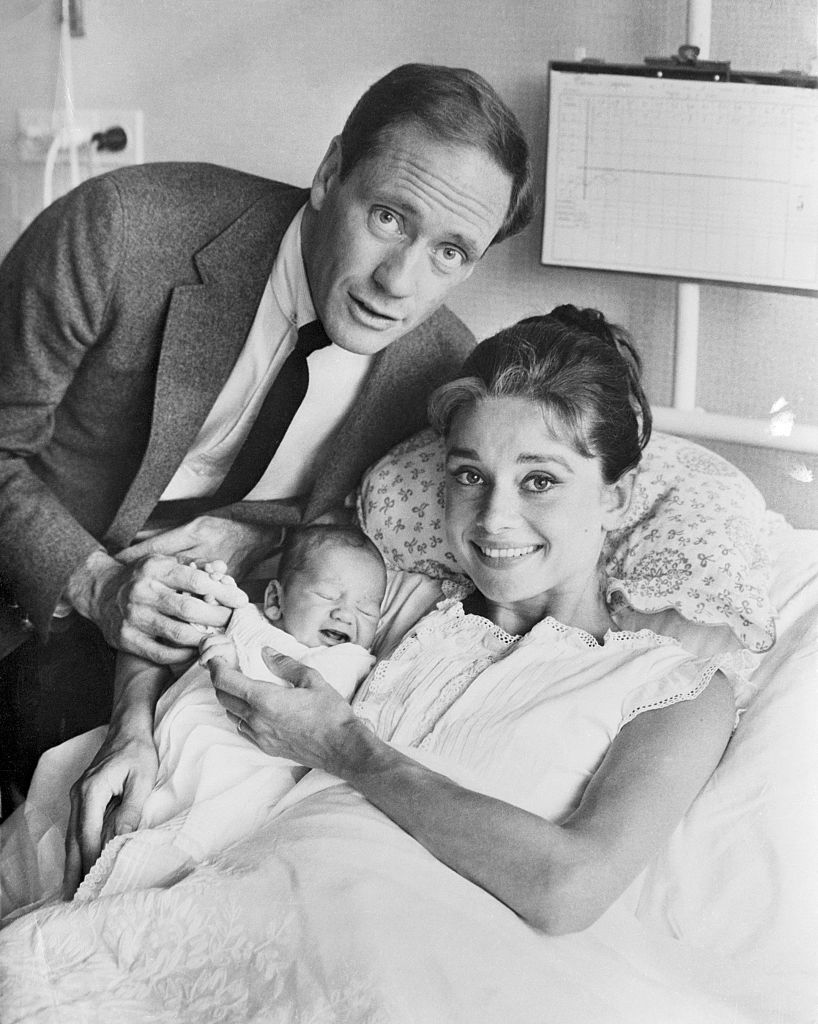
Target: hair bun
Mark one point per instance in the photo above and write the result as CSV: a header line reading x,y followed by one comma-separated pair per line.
x,y
592,322
589,320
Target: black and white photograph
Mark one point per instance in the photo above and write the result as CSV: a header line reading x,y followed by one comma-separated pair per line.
x,y
408,512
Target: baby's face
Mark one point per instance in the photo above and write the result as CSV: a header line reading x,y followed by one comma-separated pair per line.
x,y
334,598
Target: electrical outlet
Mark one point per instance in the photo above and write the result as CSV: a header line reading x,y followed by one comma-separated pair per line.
x,y
37,128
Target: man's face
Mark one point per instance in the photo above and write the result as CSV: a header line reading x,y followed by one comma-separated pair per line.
x,y
385,246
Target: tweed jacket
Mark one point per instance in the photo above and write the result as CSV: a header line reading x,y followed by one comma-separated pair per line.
x,y
123,308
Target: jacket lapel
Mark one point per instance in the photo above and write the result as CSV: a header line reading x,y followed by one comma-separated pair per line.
x,y
205,330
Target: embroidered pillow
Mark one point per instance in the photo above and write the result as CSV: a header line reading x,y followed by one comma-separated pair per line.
x,y
694,540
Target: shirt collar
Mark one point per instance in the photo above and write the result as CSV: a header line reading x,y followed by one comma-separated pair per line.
x,y
288,278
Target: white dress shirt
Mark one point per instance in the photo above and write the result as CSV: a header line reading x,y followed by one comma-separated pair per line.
x,y
336,377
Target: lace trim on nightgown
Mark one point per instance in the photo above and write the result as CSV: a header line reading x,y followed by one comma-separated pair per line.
x,y
448,618
676,698
468,673
724,663
455,591
642,638
455,687
436,623
457,614
736,666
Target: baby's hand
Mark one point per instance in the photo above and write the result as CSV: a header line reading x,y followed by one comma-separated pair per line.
x,y
216,571
217,645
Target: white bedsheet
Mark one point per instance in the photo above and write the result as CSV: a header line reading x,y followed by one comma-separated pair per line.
x,y
740,872
332,913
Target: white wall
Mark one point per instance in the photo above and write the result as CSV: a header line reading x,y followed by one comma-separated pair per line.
x,y
264,84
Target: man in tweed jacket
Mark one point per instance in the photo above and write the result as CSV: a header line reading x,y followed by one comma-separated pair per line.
x,y
126,304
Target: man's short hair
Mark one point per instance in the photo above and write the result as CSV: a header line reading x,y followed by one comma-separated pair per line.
x,y
453,105
302,542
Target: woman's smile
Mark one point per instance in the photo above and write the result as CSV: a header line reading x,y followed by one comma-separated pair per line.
x,y
505,555
526,514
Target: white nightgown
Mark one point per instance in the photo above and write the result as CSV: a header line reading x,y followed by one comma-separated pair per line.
x,y
528,719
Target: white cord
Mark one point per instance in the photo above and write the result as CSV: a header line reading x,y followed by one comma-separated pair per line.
x,y
71,139
68,82
48,170
68,136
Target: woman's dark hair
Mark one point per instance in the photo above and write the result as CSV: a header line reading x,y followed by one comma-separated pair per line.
x,y
584,373
452,105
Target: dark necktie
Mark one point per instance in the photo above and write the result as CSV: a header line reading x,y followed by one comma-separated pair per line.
x,y
275,414
280,404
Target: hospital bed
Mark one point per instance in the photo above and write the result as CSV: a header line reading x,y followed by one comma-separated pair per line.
x,y
721,927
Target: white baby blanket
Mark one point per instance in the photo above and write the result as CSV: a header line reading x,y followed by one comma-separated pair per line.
x,y
214,786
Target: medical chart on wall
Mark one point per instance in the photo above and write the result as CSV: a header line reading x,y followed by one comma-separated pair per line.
x,y
689,179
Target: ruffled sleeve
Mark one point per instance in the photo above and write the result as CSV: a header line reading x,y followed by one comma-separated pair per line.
x,y
689,678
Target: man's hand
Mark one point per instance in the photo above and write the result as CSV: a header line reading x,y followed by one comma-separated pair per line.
x,y
107,799
240,545
153,607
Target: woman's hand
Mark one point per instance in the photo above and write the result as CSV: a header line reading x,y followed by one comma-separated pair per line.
x,y
306,722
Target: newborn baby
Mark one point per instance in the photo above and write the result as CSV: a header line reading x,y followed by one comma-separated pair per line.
x,y
214,785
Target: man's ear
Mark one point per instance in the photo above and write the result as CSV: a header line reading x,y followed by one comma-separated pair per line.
x,y
328,173
618,497
272,601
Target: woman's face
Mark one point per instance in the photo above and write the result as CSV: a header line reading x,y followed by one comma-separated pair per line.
x,y
526,515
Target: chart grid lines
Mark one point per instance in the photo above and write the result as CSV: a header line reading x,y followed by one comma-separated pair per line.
x,y
692,180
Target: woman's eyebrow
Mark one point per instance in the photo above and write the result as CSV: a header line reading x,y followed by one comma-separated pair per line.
x,y
525,458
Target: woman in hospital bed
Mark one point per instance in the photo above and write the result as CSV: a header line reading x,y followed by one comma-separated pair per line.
x,y
499,782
